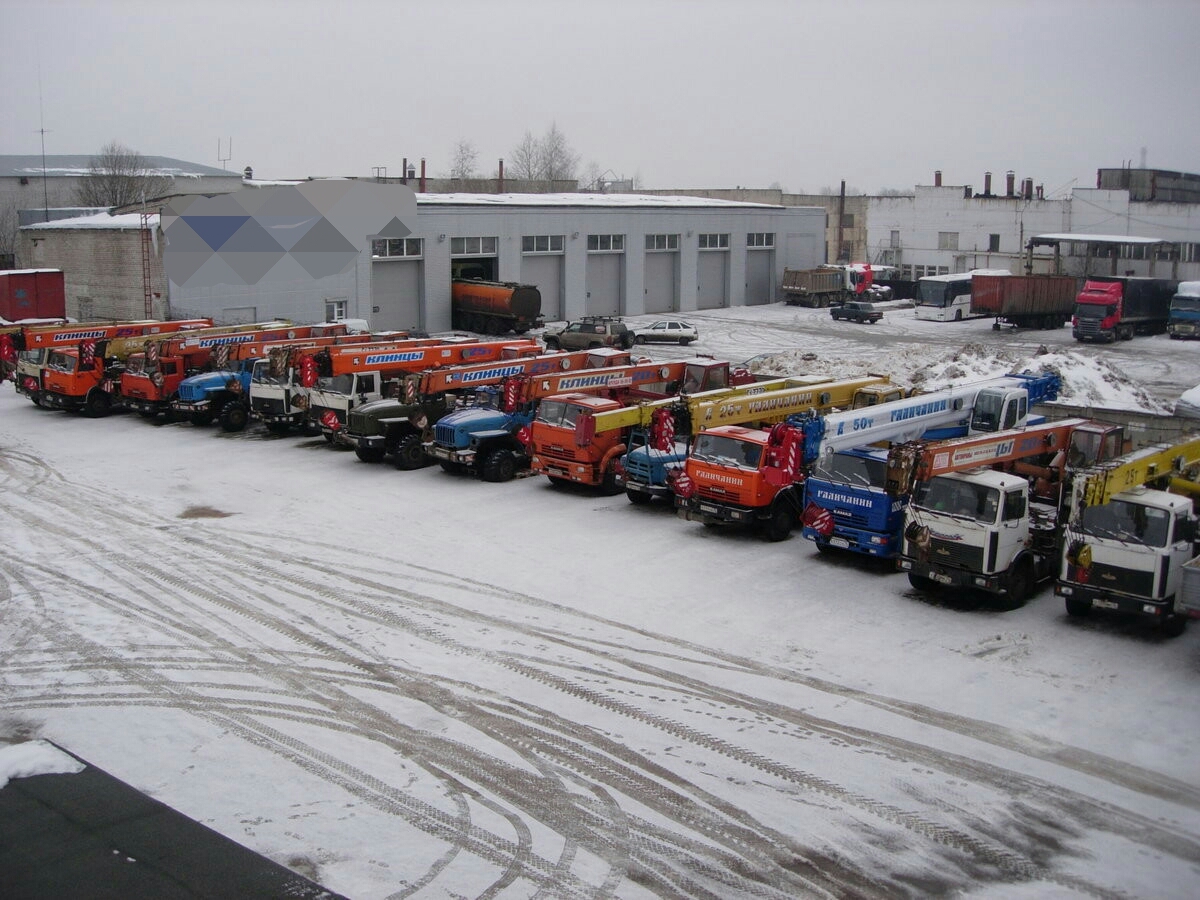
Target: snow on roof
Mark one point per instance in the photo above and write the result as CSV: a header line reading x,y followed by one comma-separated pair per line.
x,y
26,271
77,165
590,200
126,221
1097,239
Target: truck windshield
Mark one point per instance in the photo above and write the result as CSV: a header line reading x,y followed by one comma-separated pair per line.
x,y
337,384
988,408
958,498
63,362
1185,304
727,451
933,293
135,365
1094,310
1129,522
262,374
848,468
558,412
36,357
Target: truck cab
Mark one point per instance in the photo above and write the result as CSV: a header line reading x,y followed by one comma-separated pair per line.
x,y
1128,554
1184,321
978,530
555,453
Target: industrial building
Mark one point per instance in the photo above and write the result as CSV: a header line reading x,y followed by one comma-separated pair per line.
x,y
588,254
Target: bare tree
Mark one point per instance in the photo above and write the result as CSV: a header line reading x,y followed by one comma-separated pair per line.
x,y
590,179
466,158
119,176
525,161
8,235
559,161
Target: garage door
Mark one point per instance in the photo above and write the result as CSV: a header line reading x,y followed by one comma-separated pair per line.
x,y
545,272
759,281
396,293
604,272
662,282
712,277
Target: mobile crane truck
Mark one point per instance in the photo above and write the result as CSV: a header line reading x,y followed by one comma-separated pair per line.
x,y
501,435
1131,527
151,380
223,393
400,426
846,501
88,377
276,397
33,343
335,383
751,476
656,452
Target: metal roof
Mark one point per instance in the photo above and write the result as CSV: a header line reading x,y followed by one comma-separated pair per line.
x,y
75,165
1095,239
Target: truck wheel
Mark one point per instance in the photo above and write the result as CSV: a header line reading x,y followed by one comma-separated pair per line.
x,y
1173,625
1019,585
369,454
98,405
1077,606
233,417
201,419
409,453
499,466
921,583
637,498
608,484
779,526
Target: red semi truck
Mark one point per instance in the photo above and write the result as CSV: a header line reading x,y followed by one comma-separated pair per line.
x,y
1111,308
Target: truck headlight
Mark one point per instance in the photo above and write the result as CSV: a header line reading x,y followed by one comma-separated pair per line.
x,y
905,565
980,582
1065,590
1150,609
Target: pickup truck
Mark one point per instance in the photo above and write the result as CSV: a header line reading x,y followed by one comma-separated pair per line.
x,y
856,311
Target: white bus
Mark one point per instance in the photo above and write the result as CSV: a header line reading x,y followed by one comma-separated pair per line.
x,y
947,298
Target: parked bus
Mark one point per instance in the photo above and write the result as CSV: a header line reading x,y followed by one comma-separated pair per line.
x,y
947,298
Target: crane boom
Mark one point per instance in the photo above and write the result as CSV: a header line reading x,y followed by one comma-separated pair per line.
x,y
916,461
1166,461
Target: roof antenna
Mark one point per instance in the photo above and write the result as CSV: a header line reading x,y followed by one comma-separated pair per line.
x,y
42,132
228,149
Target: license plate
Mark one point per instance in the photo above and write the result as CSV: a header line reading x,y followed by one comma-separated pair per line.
x,y
707,508
839,542
939,578
1106,604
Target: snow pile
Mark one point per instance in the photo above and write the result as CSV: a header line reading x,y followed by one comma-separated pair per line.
x,y
1086,381
35,758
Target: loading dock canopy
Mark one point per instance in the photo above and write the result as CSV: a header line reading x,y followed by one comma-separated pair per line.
x,y
1050,240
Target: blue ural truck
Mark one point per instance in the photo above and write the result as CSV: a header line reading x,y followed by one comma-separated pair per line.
x,y
1184,320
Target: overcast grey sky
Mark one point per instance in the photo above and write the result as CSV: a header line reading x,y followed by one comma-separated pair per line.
x,y
700,94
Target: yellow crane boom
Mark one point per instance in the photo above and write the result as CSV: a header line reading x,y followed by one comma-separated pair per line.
x,y
1166,462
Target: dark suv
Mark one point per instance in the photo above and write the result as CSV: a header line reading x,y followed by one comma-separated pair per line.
x,y
856,311
588,332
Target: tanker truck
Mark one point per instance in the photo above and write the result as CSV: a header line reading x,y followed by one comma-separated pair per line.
x,y
494,307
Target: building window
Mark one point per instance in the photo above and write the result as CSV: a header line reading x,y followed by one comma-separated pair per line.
x,y
895,239
335,310
947,240
714,242
993,243
662,242
847,220
941,270
397,247
542,243
600,243
758,239
473,246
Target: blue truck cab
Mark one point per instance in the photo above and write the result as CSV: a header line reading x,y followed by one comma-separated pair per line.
x,y
482,437
861,516
1184,318
223,394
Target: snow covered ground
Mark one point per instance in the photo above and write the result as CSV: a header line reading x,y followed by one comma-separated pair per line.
x,y
415,684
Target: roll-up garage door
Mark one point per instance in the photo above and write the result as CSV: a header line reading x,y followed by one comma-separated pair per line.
x,y
396,292
662,282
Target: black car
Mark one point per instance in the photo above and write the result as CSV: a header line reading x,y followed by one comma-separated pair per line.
x,y
856,311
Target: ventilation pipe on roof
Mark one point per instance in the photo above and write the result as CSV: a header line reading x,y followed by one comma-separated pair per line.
x,y
500,179
966,192
1010,180
987,184
422,174
1040,191
937,178
1027,188
404,171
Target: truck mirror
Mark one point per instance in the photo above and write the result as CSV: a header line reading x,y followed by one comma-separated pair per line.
x,y
585,430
